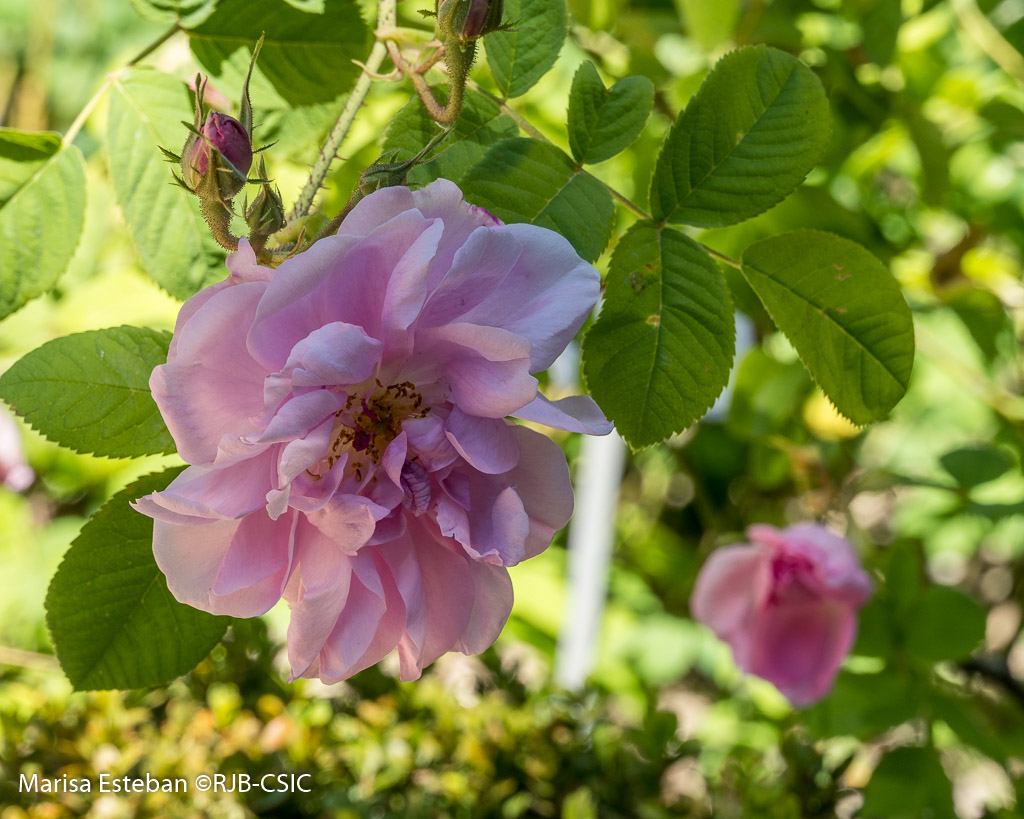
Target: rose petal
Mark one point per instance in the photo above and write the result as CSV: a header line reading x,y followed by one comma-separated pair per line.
x,y
300,415
800,648
577,413
546,296
541,478
492,604
335,354
437,588
231,492
212,386
325,577
259,561
479,265
488,444
487,369
728,591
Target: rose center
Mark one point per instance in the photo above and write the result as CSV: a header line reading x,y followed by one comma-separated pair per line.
x,y
369,422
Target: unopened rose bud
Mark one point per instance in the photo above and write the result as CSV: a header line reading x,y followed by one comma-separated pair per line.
x,y
469,19
227,137
266,213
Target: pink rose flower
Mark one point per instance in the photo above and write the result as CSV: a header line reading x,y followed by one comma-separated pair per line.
x,y
787,605
345,418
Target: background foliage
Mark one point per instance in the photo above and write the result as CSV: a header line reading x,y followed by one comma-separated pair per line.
x,y
922,168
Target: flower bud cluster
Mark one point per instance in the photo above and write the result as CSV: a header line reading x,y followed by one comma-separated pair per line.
x,y
215,163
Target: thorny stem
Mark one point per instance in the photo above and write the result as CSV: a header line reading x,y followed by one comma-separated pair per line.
x,y
528,128
386,18
458,66
218,217
110,79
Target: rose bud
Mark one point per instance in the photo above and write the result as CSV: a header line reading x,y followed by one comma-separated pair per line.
x,y
786,603
227,137
469,19
265,215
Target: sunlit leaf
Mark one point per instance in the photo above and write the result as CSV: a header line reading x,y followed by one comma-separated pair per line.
x,y
174,243
306,55
90,391
520,57
748,138
42,210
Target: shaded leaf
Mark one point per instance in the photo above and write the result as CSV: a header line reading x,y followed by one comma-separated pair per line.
x,y
603,122
844,313
525,180
767,395
881,22
480,125
186,13
662,347
985,317
758,124
972,466
864,705
907,784
113,621
945,625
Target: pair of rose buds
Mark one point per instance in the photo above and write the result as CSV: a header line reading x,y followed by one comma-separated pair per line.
x,y
347,421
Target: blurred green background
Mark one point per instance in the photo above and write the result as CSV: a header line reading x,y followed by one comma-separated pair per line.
x,y
924,168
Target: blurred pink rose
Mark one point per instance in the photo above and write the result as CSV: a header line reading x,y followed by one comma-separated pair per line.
x,y
787,605
345,415
15,473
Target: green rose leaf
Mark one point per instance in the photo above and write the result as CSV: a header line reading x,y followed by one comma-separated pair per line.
x,y
945,625
185,13
603,122
90,391
42,211
306,56
113,621
525,180
480,126
662,347
174,242
907,784
975,465
520,57
750,135
843,312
